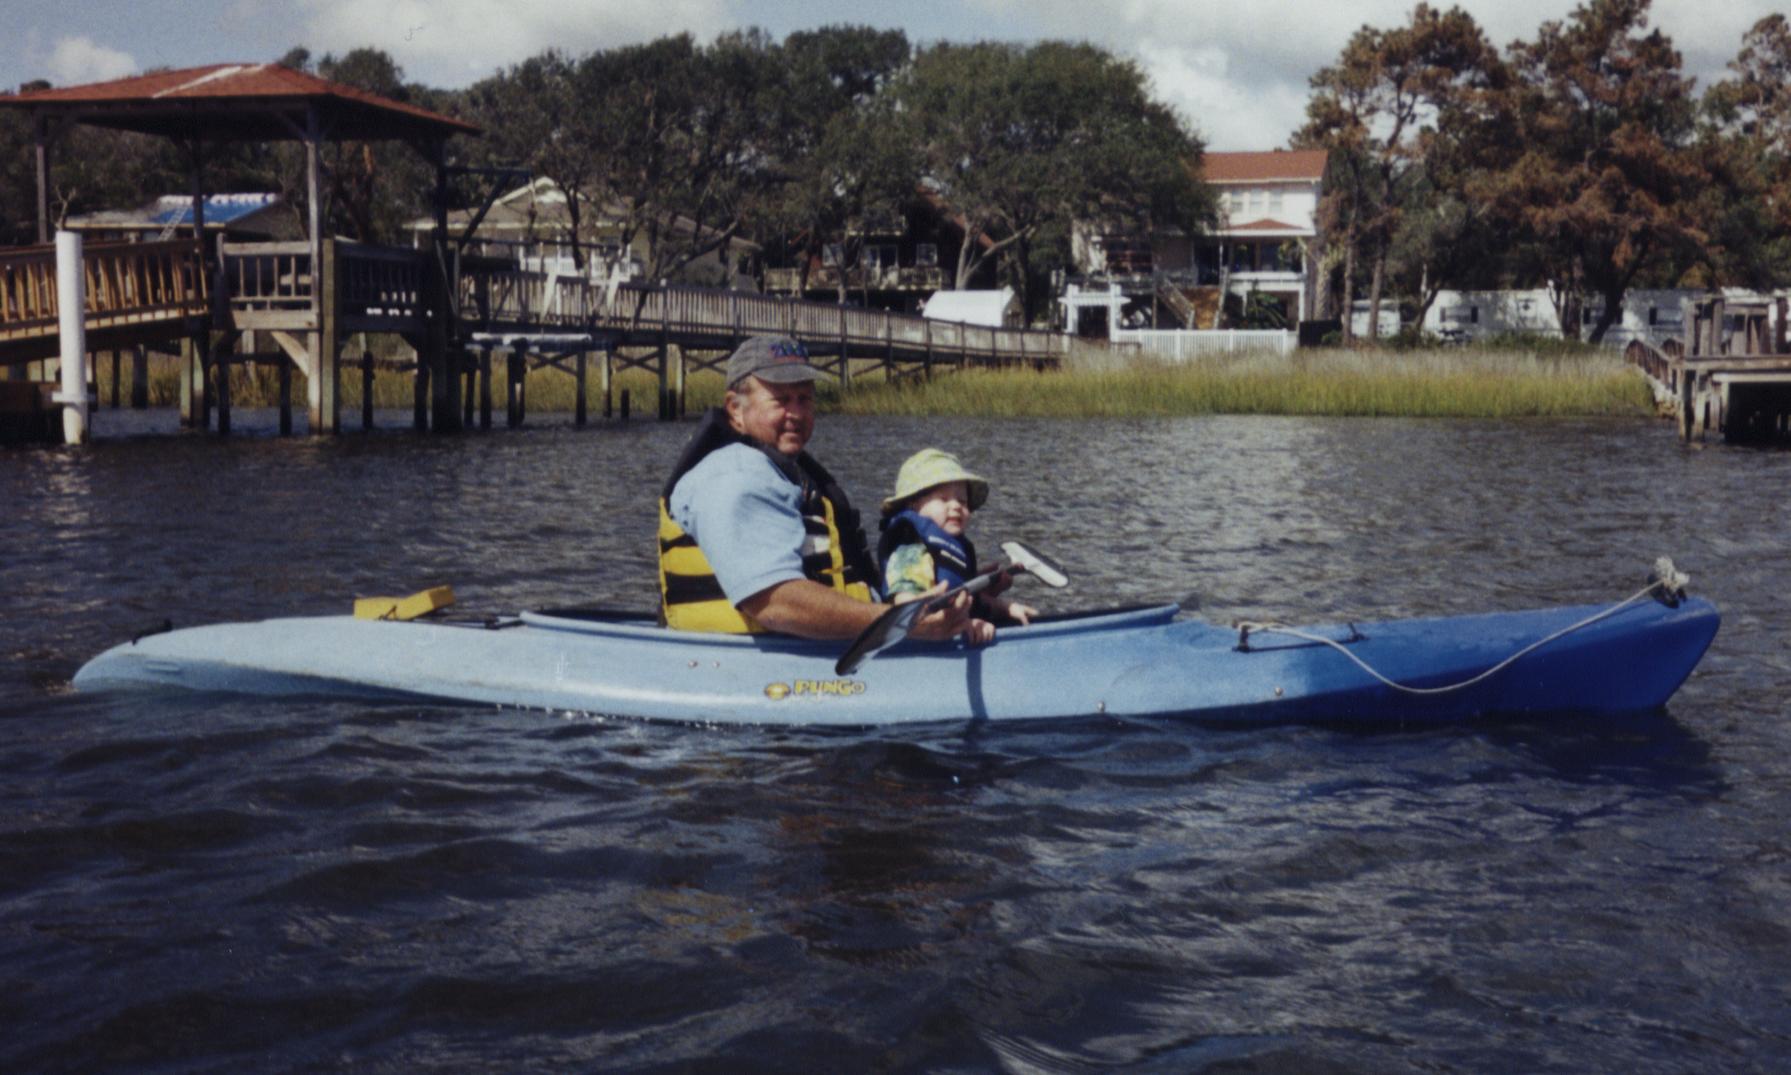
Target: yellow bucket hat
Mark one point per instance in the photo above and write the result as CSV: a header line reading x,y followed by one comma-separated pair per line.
x,y
927,468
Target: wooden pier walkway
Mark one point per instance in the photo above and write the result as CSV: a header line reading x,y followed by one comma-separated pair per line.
x,y
1730,376
136,293
294,306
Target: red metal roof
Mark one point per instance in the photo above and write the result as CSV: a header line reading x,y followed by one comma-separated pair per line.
x,y
1291,164
1265,224
227,85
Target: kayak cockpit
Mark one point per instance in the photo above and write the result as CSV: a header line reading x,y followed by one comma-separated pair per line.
x,y
624,623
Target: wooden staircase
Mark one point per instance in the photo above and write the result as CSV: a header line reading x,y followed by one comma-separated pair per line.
x,y
1178,303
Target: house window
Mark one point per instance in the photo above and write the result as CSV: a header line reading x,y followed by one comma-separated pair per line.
x,y
926,255
1275,203
833,254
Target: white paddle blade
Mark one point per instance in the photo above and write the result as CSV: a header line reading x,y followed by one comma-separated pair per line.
x,y
1035,564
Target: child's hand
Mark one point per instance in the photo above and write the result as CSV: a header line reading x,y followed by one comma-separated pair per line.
x,y
1021,613
980,632
1014,610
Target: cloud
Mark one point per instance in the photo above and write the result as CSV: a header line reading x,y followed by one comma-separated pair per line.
x,y
1239,72
1228,113
453,42
79,59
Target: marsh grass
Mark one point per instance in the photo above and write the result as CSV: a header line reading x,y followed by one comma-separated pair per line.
x,y
1481,382
1435,383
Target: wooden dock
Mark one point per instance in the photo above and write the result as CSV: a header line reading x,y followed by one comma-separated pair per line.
x,y
1730,376
293,306
136,293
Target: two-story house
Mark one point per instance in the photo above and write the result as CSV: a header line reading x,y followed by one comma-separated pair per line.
x,y
1260,253
1267,243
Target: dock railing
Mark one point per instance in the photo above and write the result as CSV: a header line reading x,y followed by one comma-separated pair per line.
x,y
497,293
126,283
271,285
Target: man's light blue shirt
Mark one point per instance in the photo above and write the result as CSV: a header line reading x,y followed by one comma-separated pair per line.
x,y
745,516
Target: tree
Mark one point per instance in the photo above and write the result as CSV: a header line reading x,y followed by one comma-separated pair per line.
x,y
663,139
532,116
1602,184
1389,110
838,154
1746,147
375,187
1759,96
1014,138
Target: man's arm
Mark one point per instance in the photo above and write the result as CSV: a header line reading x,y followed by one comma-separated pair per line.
x,y
807,609
744,516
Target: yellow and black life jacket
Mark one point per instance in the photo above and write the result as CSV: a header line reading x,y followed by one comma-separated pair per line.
x,y
833,548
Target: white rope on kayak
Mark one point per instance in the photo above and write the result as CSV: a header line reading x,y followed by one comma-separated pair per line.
x,y
1667,579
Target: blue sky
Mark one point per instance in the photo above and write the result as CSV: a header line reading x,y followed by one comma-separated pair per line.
x,y
1236,70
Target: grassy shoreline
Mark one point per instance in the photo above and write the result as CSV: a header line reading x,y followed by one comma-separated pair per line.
x,y
1413,384
1440,383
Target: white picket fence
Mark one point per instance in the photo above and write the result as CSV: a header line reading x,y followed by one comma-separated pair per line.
x,y
1183,345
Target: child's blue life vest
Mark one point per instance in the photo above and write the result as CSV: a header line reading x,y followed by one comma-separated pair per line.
x,y
954,558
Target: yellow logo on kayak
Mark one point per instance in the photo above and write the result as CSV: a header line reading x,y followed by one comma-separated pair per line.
x,y
814,688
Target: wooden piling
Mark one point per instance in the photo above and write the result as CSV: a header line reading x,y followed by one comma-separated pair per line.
x,y
419,418
286,397
221,366
513,385
188,400
485,388
366,391
665,388
578,405
322,391
139,378
604,373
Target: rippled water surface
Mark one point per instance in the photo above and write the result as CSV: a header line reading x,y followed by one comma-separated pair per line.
x,y
193,883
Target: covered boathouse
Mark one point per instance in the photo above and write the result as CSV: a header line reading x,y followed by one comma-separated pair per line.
x,y
212,294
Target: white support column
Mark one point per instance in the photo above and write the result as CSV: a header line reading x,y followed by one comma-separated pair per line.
x,y
71,309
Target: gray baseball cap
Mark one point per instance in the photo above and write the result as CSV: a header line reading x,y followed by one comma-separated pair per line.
x,y
777,359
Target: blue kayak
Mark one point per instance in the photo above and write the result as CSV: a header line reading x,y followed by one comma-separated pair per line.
x,y
1129,662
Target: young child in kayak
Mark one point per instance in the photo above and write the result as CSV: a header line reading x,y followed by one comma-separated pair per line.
x,y
924,543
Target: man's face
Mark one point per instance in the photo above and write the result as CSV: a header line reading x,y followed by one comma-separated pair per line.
x,y
781,416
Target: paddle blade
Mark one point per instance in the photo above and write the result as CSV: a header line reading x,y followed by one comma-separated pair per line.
x,y
885,631
1036,564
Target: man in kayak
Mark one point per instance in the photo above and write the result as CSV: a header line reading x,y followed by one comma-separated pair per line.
x,y
754,534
